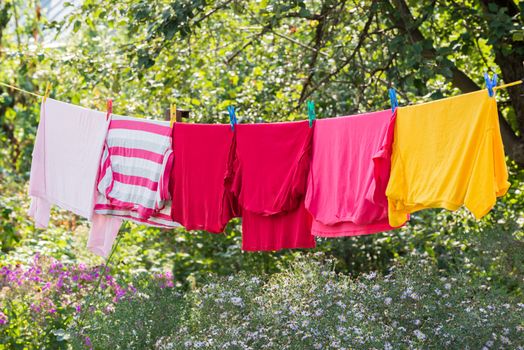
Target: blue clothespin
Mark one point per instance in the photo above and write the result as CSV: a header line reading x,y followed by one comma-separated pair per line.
x,y
393,99
490,83
311,112
232,116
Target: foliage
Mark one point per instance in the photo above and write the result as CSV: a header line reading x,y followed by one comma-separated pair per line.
x,y
309,306
38,302
266,57
135,322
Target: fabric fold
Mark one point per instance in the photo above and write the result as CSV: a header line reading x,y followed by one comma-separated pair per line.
x,y
133,180
447,153
349,172
270,178
201,170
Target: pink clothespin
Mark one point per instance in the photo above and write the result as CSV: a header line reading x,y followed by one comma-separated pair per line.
x,y
109,108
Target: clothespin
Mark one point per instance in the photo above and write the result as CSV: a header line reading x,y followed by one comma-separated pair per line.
x,y
47,91
311,112
109,108
232,116
172,114
490,83
393,99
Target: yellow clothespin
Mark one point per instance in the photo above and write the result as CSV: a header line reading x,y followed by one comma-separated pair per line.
x,y
47,91
172,114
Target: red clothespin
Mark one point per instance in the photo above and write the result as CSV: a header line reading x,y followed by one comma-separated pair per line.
x,y
109,108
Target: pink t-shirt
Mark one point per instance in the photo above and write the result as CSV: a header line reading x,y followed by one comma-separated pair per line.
x,y
349,174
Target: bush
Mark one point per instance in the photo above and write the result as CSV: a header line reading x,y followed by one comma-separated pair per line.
x,y
310,306
135,322
39,302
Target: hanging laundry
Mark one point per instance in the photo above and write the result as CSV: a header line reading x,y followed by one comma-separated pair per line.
x,y
201,157
103,233
269,178
133,178
447,153
349,173
66,159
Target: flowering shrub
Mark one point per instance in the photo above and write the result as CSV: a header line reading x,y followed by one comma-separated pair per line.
x,y
309,306
39,302
135,322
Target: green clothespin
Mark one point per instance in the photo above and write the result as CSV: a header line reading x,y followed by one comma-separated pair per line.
x,y
311,112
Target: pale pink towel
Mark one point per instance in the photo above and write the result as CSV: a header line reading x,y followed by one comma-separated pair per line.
x,y
66,159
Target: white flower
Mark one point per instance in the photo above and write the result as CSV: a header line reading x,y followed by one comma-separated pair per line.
x,y
447,286
388,346
371,275
417,322
419,335
375,288
388,300
341,304
236,301
415,296
505,340
342,318
437,291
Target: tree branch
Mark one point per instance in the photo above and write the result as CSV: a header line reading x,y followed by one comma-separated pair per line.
x,y
319,33
513,145
348,60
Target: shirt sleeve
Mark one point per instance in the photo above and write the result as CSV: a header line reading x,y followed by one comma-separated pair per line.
x,y
382,167
499,158
102,235
489,176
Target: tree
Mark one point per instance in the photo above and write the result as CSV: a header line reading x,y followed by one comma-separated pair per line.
x,y
346,53
267,57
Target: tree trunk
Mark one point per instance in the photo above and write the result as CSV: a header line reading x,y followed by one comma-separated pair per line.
x,y
511,67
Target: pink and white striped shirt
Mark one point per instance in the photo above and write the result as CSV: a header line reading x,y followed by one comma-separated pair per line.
x,y
134,171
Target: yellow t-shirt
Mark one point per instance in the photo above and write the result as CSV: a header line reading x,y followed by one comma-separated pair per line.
x,y
447,153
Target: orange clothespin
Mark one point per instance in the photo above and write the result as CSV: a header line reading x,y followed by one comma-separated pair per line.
x,y
172,114
47,91
109,108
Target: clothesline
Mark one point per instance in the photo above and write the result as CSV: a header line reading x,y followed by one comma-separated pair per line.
x,y
349,179
518,82
21,90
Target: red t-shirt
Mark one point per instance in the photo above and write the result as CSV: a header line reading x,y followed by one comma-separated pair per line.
x,y
200,200
270,169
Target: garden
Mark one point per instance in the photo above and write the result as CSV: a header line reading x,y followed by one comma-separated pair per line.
x,y
444,280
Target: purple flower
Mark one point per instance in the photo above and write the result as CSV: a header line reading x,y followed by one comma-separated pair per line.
x,y
132,288
46,286
3,318
35,308
87,342
119,293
